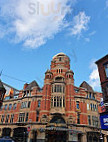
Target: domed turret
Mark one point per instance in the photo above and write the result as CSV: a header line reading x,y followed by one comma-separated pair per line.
x,y
60,60
48,74
69,74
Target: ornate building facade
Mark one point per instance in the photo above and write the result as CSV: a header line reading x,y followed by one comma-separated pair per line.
x,y
59,112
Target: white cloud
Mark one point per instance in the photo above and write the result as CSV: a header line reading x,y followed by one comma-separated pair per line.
x,y
87,39
80,23
94,80
92,33
33,22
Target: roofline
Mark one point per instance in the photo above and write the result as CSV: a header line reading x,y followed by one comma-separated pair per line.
x,y
101,59
10,86
63,54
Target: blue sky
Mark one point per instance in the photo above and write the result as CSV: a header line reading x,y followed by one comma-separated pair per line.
x,y
28,40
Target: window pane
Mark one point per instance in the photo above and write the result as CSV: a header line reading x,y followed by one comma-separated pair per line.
x,y
87,106
106,70
89,120
60,102
63,101
57,101
90,95
26,117
14,106
77,104
5,107
78,118
29,104
54,101
39,103
10,106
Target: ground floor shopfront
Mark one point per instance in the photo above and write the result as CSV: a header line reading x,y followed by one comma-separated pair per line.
x,y
43,133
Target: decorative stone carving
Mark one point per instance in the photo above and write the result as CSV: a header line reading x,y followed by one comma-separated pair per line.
x,y
70,120
44,119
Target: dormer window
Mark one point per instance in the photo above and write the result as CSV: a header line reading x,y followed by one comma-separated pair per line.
x,y
76,90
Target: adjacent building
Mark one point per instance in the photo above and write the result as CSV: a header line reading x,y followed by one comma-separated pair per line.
x,y
2,93
103,73
58,112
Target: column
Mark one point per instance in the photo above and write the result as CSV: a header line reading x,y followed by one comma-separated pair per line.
x,y
29,136
105,138
0,132
84,137
73,137
41,137
11,133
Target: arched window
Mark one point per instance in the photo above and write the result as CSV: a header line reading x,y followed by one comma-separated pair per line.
x,y
14,106
57,120
6,107
10,106
59,78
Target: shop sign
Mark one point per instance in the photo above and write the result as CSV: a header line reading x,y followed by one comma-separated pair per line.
x,y
104,121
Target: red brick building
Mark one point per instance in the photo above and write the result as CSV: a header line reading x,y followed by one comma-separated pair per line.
x,y
2,93
103,73
59,112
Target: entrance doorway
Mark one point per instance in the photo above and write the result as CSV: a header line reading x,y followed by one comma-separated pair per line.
x,y
20,134
57,129
93,137
56,136
6,132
